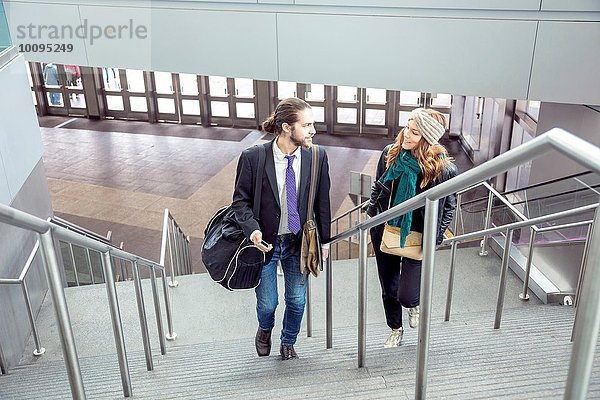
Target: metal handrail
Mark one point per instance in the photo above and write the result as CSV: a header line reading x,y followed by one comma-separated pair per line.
x,y
361,205
586,335
335,222
509,228
39,350
86,232
177,243
532,236
528,187
47,232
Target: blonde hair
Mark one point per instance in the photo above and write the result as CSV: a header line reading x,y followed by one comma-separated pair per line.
x,y
431,158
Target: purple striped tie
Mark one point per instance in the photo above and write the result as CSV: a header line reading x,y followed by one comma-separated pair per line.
x,y
292,201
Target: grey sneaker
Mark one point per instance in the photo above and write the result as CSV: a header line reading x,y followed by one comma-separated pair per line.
x,y
395,338
413,316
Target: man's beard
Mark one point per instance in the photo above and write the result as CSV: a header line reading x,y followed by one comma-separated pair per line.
x,y
297,142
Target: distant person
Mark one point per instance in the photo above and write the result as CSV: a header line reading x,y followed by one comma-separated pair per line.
x,y
414,163
51,79
73,74
283,212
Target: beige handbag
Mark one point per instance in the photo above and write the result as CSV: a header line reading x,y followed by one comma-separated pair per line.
x,y
390,242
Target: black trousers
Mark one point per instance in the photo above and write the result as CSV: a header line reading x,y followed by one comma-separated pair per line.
x,y
400,280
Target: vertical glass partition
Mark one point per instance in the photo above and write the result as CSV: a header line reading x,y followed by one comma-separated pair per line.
x,y
4,33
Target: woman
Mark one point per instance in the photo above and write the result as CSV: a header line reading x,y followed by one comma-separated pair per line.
x,y
414,163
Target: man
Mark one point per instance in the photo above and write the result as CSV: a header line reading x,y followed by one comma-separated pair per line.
x,y
277,229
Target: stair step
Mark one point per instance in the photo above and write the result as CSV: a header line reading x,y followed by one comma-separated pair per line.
x,y
527,358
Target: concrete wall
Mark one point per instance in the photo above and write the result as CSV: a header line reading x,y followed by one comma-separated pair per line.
x,y
517,49
23,186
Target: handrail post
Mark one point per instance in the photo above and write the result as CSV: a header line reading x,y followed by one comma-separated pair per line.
x,y
89,261
488,218
39,350
115,316
176,247
170,242
65,329
139,296
74,264
580,279
503,273
362,296
188,248
584,259
159,323
337,244
349,237
451,280
586,334
458,213
429,241
329,303
308,306
532,236
171,335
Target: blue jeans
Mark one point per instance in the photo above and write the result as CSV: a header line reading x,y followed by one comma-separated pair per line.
x,y
295,291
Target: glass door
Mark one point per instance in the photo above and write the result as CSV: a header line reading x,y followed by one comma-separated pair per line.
x,y
316,96
408,101
244,102
125,93
190,100
374,111
54,82
347,109
135,97
220,105
167,106
113,92
73,90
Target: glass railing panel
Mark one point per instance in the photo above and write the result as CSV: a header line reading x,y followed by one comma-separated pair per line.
x,y
97,272
65,252
82,265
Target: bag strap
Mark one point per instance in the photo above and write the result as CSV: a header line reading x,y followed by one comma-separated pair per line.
x,y
262,154
313,181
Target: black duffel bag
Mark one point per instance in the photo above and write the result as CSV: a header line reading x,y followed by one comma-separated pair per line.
x,y
231,259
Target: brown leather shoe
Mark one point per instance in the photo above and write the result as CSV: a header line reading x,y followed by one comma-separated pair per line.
x,y
287,352
262,341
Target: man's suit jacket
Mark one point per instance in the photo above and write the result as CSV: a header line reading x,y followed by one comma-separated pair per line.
x,y
270,211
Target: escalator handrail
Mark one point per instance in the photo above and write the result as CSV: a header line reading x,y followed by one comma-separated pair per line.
x,y
532,187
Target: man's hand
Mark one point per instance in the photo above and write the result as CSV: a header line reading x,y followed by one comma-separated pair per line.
x,y
259,243
324,254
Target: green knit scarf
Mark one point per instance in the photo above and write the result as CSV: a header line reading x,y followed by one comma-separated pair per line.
x,y
405,169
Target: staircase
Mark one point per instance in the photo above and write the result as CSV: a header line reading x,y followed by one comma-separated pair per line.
x,y
527,359
213,357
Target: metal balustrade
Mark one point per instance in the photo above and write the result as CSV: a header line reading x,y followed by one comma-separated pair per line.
x,y
588,312
47,233
177,244
508,229
39,350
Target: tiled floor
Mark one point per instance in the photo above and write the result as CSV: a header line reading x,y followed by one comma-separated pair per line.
x,y
120,181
